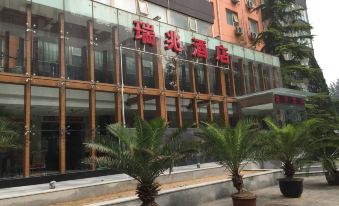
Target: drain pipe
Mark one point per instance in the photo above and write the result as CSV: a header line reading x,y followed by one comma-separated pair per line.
x,y
218,14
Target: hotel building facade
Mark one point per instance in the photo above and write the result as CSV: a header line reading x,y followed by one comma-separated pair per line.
x,y
70,67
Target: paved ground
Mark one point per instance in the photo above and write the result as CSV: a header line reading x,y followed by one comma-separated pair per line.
x,y
316,193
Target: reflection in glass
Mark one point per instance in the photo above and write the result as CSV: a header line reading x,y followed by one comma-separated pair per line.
x,y
131,108
12,113
170,73
44,158
45,58
105,27
185,76
105,111
76,35
12,36
148,78
172,117
77,124
129,67
200,79
187,112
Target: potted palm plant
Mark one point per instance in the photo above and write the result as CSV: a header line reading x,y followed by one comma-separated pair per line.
x,y
143,154
288,144
232,148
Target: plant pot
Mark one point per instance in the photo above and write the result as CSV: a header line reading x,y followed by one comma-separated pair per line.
x,y
244,199
332,179
291,187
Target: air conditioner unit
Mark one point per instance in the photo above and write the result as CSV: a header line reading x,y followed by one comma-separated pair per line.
x,y
238,30
253,35
235,1
250,4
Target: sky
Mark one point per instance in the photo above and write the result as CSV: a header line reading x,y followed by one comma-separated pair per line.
x,y
323,15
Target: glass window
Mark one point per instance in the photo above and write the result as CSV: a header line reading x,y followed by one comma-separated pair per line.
x,y
131,108
202,111
76,35
150,107
178,19
127,5
45,58
217,115
172,117
156,12
200,80
148,67
187,112
256,77
170,73
126,33
12,35
204,28
237,77
104,111
77,127
185,76
232,18
130,67
105,28
253,26
44,159
12,119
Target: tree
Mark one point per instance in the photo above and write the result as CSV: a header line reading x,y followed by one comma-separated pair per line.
x,y
9,137
334,90
287,36
143,154
231,147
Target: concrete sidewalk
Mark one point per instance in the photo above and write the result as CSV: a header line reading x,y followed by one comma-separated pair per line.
x,y
316,193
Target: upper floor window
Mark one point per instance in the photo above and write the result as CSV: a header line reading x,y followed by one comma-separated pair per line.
x,y
232,18
253,26
178,19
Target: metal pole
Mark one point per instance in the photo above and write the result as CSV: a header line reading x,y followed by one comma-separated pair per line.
x,y
122,89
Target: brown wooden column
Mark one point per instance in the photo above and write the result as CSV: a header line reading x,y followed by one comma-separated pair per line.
x,y
117,79
178,99
242,77
27,97
139,84
92,93
159,82
252,73
234,91
194,101
261,77
223,105
62,96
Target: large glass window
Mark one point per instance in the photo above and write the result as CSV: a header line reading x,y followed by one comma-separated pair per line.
x,y
77,126
204,28
202,111
172,117
237,77
185,76
104,111
148,68
150,107
12,126
127,5
232,18
156,12
131,108
77,15
170,73
187,112
12,35
44,158
253,26
105,28
45,58
129,67
200,80
178,19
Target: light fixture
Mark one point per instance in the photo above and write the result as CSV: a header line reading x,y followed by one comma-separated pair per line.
x,y
157,18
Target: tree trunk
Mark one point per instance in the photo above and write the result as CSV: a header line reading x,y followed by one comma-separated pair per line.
x,y
238,182
147,193
289,169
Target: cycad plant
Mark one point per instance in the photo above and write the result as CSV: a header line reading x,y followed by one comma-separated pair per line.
x,y
143,153
231,147
9,136
288,143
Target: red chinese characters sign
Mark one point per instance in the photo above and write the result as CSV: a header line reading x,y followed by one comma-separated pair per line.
x,y
280,99
200,49
145,32
173,42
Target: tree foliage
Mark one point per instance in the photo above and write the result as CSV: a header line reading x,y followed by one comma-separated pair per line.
x,y
231,146
9,136
287,36
142,153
